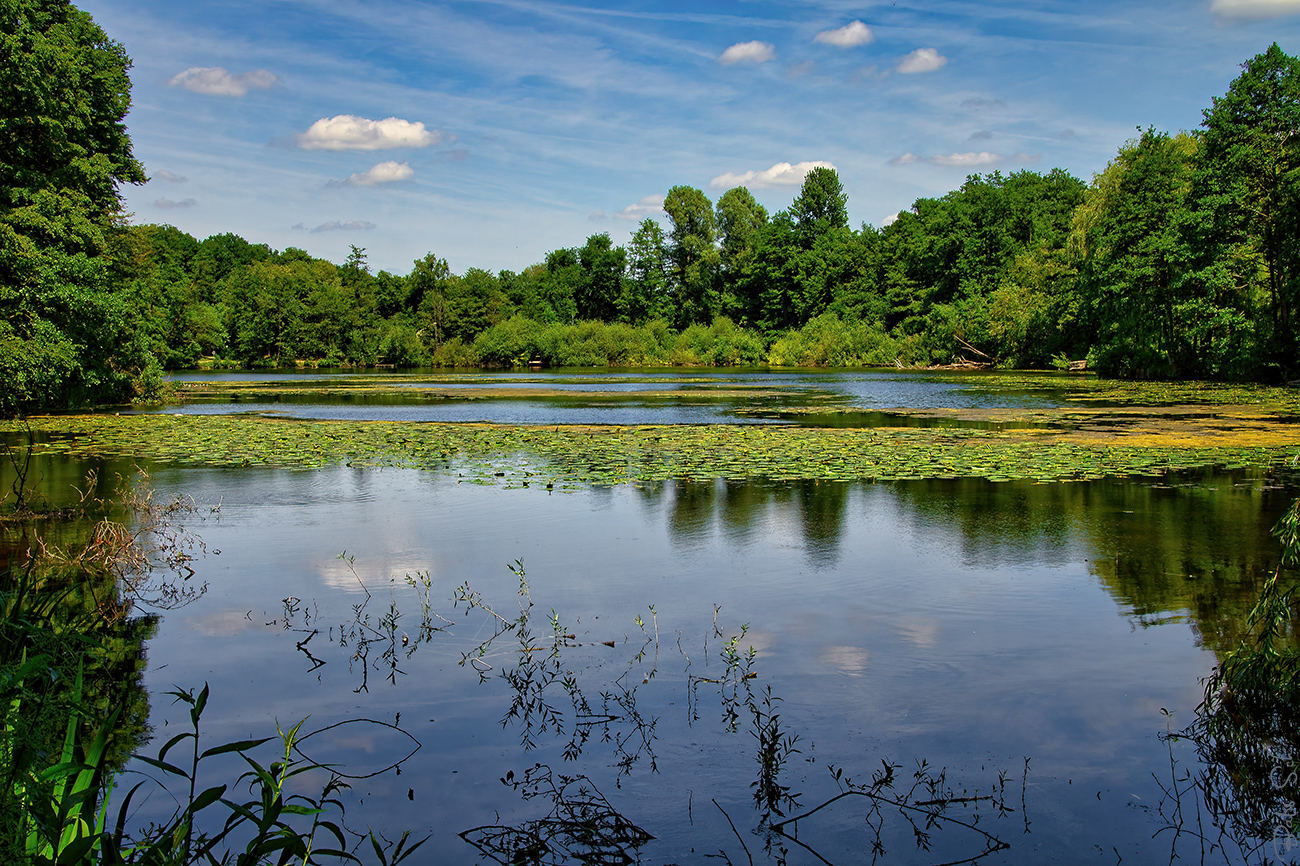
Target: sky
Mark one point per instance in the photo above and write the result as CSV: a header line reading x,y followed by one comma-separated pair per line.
x,y
489,132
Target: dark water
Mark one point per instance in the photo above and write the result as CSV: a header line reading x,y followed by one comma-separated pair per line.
x,y
965,623
679,396
1028,641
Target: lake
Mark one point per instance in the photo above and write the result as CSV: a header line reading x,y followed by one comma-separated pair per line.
x,y
705,659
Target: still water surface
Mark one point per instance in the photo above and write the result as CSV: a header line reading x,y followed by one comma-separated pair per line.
x,y
670,396
1029,638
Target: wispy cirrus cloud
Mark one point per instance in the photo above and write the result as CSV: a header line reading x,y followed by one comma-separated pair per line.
x,y
218,81
748,52
921,60
781,174
850,35
969,160
1254,10
348,132
385,172
344,226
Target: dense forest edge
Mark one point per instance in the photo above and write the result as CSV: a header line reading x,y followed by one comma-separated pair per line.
x,y
1181,260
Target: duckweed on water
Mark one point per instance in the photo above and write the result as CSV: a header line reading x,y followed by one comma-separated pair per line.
x,y
569,455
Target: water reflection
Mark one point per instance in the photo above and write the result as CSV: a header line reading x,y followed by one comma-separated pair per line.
x,y
968,623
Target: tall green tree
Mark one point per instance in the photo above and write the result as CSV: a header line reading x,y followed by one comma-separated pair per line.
x,y
64,150
1137,263
603,265
696,261
740,217
1250,190
821,205
643,295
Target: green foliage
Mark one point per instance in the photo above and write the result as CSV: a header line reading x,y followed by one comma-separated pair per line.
x,y
827,341
694,258
821,205
1249,191
721,344
65,94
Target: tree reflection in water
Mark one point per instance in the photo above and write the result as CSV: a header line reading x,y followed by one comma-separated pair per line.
x,y
1242,803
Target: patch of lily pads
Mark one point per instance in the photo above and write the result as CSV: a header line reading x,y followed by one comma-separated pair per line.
x,y
559,456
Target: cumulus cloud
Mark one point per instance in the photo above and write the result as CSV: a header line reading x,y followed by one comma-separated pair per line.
x,y
889,220
385,172
1026,158
981,135
905,159
164,174
168,204
967,159
781,174
849,36
650,206
217,81
922,60
1254,9
348,132
748,52
597,215
348,226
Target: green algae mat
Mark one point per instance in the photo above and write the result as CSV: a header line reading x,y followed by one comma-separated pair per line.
x,y
560,456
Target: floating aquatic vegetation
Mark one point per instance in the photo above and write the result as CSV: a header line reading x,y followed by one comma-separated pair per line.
x,y
571,455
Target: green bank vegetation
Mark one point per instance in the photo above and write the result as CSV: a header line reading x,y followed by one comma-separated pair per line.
x,y
1180,260
76,585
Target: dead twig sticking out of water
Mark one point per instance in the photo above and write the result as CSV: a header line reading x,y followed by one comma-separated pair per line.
x,y
582,826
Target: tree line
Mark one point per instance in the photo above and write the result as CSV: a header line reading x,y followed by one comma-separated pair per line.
x,y
1180,260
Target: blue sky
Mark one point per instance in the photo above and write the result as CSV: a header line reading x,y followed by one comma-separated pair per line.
x,y
489,132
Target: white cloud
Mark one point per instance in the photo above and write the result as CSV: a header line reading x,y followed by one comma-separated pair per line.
x,y
849,36
891,219
597,215
1026,158
385,172
781,174
216,81
650,206
962,159
967,159
164,174
922,60
748,52
348,132
349,226
1255,9
168,204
